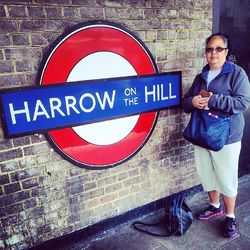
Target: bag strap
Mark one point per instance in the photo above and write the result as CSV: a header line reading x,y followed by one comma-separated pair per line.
x,y
151,225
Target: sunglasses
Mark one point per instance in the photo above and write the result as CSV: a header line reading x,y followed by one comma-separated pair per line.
x,y
217,50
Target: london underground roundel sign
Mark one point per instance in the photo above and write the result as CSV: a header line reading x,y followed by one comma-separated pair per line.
x,y
99,50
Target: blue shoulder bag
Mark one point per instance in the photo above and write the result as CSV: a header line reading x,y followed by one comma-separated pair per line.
x,y
207,130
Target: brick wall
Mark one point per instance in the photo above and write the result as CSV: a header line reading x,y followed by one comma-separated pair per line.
x,y
42,196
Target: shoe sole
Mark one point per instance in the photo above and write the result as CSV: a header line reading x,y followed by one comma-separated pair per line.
x,y
211,216
230,236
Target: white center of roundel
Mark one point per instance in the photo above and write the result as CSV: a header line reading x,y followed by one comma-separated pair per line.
x,y
97,66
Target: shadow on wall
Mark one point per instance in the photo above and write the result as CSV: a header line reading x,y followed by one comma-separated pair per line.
x,y
240,48
244,163
239,37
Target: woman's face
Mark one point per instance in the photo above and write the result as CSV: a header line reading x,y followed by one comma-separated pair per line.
x,y
216,53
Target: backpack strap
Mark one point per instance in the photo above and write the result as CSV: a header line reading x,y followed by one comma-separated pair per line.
x,y
152,225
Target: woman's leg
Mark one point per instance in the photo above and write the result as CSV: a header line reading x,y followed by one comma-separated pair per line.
x,y
205,172
214,197
229,204
226,171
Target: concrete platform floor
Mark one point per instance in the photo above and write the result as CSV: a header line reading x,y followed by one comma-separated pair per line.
x,y
201,235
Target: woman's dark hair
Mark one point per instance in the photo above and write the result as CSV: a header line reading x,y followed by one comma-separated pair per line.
x,y
223,37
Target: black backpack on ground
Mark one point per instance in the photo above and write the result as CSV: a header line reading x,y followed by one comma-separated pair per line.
x,y
177,219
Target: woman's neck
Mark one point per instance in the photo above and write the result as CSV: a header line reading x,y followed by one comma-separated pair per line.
x,y
215,67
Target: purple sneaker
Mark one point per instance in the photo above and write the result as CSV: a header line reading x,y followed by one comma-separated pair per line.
x,y
210,212
230,227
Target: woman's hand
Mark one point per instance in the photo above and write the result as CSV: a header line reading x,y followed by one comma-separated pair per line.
x,y
201,102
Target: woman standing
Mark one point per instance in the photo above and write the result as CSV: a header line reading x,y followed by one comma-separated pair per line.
x,y
224,88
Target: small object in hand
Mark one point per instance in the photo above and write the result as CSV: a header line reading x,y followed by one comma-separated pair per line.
x,y
204,93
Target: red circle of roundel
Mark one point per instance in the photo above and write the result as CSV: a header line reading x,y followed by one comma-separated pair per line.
x,y
74,46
